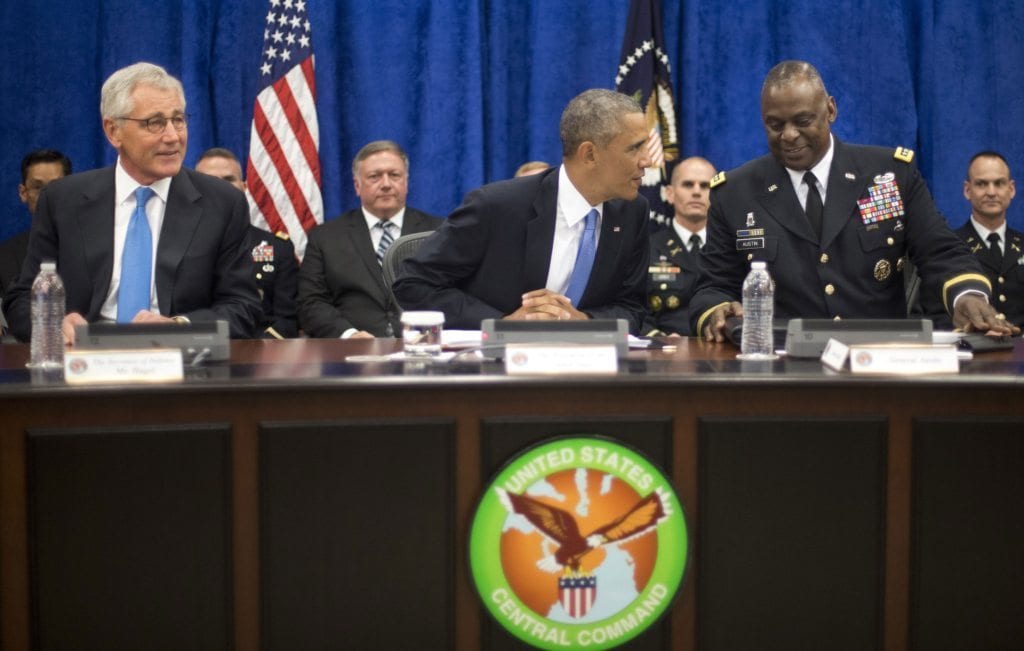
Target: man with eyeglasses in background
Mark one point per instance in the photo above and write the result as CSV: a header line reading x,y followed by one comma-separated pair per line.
x,y
146,240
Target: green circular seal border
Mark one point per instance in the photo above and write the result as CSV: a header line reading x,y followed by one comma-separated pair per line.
x,y
655,599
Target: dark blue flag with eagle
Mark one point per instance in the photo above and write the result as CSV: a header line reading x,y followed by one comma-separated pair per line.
x,y
644,74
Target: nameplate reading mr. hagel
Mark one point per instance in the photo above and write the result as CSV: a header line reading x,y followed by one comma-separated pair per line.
x,y
894,359
123,366
572,359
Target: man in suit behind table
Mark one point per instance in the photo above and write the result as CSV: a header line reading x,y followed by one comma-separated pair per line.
x,y
274,265
999,248
832,220
675,251
39,168
341,284
145,240
569,243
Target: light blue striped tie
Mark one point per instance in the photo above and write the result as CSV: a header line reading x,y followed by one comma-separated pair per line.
x,y
386,240
136,261
584,259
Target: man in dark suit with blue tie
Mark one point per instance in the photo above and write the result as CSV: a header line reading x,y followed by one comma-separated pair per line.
x,y
1000,249
341,284
570,243
146,240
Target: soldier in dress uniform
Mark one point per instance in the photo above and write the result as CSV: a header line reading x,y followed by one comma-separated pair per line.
x,y
832,221
275,266
1000,249
675,258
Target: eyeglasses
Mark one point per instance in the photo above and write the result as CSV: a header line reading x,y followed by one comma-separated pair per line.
x,y
159,123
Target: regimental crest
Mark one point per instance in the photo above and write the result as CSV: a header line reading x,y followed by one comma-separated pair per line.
x,y
585,537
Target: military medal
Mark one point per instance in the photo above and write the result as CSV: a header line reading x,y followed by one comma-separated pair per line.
x,y
882,270
263,252
883,201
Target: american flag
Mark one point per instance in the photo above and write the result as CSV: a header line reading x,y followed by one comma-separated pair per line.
x,y
283,171
644,74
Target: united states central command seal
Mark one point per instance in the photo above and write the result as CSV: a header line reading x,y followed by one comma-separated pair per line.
x,y
578,543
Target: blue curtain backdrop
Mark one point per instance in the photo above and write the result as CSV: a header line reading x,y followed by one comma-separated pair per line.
x,y
473,88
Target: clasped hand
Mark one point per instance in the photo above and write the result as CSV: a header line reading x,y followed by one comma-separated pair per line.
x,y
546,305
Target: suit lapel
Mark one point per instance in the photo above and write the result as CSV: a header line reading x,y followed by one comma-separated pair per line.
x,y
608,248
181,218
96,232
1014,250
359,235
845,185
777,196
540,232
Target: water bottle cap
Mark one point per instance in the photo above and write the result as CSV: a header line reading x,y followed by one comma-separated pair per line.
x,y
48,266
760,264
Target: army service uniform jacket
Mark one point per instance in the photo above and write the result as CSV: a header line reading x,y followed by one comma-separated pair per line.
x,y
1006,274
276,271
671,279
877,210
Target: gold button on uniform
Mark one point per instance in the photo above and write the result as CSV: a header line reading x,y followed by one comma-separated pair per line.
x,y
830,289
837,318
1001,280
664,286
824,258
890,241
1002,298
750,256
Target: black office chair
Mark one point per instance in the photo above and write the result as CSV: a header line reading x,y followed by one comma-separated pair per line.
x,y
403,247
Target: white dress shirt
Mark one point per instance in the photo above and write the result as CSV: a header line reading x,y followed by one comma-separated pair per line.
x,y
569,225
124,207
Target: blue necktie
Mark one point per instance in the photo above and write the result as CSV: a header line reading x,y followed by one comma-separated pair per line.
x,y
386,240
136,261
584,259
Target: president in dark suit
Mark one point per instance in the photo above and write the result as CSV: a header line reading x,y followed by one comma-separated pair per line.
x,y
145,240
341,286
833,221
999,249
570,243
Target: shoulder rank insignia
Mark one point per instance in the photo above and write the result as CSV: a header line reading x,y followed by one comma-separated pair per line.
x,y
283,235
904,154
717,179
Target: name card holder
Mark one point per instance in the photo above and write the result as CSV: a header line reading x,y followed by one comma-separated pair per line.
x,y
573,359
139,366
892,359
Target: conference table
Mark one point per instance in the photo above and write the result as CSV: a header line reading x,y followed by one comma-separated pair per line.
x,y
290,499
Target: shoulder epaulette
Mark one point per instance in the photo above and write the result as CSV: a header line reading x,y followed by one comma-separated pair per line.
x,y
717,179
282,235
903,154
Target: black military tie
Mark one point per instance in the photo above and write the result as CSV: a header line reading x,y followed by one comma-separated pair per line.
x,y
993,248
695,243
814,208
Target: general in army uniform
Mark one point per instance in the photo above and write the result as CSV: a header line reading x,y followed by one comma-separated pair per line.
x,y
675,251
832,221
999,248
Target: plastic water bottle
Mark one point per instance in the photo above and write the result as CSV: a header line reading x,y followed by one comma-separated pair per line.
x,y
47,314
758,310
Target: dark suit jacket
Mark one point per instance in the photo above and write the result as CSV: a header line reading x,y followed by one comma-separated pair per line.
x,y
12,255
497,245
856,269
276,270
341,285
1006,275
201,270
671,278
